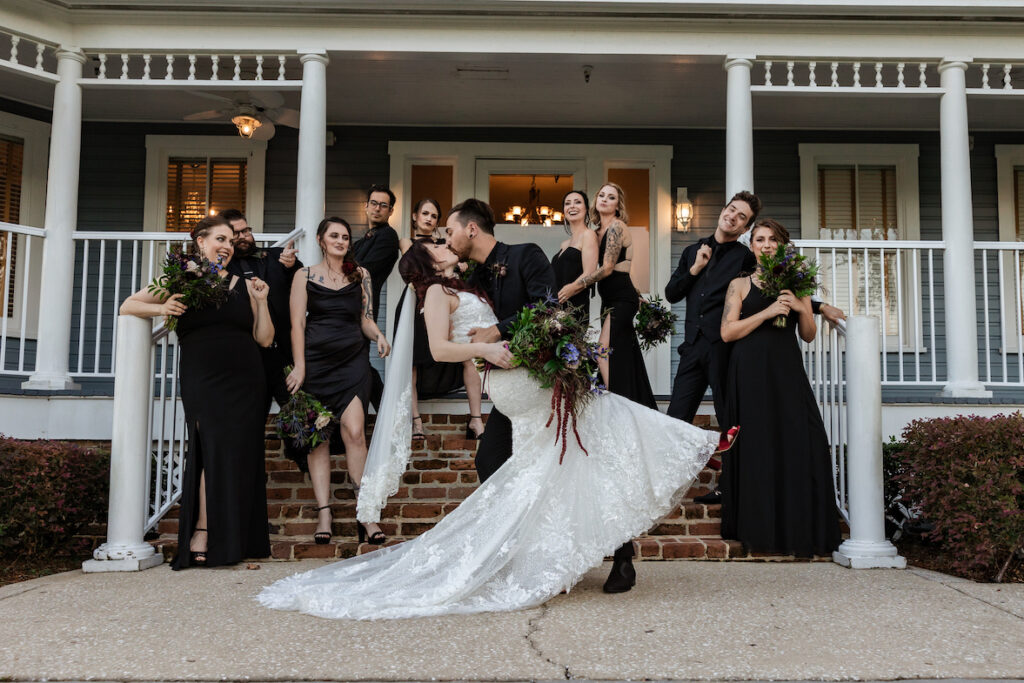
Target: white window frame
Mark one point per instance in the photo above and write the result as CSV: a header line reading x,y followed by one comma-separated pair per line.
x,y
908,209
1008,157
35,135
161,148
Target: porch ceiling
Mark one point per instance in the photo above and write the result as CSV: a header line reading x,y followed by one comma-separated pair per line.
x,y
414,89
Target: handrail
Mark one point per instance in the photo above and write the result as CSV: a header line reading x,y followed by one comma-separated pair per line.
x,y
23,229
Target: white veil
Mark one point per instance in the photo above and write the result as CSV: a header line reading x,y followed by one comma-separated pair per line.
x,y
390,446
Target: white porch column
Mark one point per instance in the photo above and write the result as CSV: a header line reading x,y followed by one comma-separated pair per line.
x,y
56,290
958,234
739,126
311,178
867,547
125,549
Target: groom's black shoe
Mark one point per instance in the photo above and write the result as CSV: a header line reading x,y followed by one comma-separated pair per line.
x,y
621,578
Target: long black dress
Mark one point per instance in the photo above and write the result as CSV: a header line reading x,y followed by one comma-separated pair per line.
x,y
337,363
223,392
778,494
627,374
568,267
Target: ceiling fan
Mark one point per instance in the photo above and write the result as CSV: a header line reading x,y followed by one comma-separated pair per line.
x,y
254,114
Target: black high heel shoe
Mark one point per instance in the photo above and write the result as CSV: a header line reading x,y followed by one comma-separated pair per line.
x,y
323,537
472,434
376,538
198,557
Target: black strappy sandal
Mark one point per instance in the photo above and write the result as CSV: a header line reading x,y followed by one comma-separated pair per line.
x,y
198,557
418,435
323,537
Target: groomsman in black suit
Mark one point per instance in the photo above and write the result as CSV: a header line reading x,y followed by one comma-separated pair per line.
x,y
377,251
275,266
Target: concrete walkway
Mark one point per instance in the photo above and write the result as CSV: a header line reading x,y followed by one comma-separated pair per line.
x,y
684,620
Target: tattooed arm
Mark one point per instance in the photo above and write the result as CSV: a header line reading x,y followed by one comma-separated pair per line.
x,y
368,320
616,235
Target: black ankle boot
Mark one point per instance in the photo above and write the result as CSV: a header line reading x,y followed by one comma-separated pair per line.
x,y
622,577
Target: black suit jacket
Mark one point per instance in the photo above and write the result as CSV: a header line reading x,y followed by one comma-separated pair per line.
x,y
269,269
377,251
527,278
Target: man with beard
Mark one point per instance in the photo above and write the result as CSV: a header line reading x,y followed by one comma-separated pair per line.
x,y
276,266
377,252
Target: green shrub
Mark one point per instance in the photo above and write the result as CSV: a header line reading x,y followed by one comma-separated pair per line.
x,y
967,473
49,490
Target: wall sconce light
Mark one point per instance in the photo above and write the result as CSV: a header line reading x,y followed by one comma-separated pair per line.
x,y
247,125
684,210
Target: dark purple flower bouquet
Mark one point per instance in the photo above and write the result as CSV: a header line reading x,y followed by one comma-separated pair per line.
x,y
303,420
196,278
788,269
655,322
552,344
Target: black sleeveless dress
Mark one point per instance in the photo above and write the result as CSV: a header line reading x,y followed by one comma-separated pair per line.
x,y
627,374
568,267
337,363
777,479
223,393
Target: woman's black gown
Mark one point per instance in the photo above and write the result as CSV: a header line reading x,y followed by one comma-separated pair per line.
x,y
223,392
627,374
777,488
568,267
337,363
433,379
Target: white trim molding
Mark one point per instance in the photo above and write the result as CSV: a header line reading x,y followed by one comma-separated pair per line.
x,y
1008,157
160,148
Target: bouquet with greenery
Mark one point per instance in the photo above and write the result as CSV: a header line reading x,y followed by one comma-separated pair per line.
x,y
196,278
552,344
303,420
655,322
788,269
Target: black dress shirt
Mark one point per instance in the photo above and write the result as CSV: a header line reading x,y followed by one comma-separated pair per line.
x,y
377,252
266,265
705,291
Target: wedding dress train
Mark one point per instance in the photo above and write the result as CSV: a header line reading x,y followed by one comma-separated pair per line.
x,y
535,527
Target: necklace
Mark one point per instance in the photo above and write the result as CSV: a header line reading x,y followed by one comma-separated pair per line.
x,y
331,274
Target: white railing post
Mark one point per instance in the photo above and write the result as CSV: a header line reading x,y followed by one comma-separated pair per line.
x,y
958,234
867,547
56,288
311,181
739,126
125,549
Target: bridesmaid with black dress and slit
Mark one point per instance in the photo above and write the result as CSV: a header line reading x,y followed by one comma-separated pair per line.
x,y
223,517
577,255
332,317
777,482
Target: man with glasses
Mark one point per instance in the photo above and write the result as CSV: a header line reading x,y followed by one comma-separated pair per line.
x,y
275,266
377,251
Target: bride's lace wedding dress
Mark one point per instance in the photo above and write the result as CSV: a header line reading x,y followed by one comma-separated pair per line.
x,y
531,530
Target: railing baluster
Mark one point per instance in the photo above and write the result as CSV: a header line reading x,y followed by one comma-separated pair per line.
x,y
214,66
81,306
1018,309
931,317
882,309
1006,77
987,334
115,301
40,48
900,81
835,75
102,75
768,73
99,309
280,67
916,310
1002,315
921,69
27,279
124,67
14,49
899,311
6,289
812,78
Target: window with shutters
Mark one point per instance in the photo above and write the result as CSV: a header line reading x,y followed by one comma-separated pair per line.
x,y
12,155
865,193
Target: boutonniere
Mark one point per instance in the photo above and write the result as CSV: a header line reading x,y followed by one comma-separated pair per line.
x,y
499,269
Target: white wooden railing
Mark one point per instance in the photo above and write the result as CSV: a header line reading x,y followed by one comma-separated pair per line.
x,y
28,56
21,251
115,68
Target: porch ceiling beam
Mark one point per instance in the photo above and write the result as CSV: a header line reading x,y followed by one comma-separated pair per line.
x,y
180,84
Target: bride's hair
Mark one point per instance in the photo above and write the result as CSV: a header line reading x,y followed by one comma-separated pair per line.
x,y
417,267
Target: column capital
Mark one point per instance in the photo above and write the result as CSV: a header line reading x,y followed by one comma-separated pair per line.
x,y
71,52
954,63
738,60
313,56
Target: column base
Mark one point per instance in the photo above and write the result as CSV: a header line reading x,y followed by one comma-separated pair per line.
x,y
965,390
122,558
869,555
42,381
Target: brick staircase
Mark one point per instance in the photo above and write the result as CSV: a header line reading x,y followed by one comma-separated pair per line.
x,y
440,475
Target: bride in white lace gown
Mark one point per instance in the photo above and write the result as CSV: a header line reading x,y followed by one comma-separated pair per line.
x,y
536,526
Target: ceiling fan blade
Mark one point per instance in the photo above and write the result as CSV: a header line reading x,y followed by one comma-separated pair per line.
x,y
264,132
208,114
267,99
286,117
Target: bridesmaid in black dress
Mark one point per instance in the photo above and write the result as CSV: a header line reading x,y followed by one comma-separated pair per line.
x,y
430,378
223,515
332,317
778,495
577,255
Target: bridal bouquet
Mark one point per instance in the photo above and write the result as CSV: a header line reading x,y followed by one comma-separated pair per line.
x,y
196,278
788,269
654,323
303,420
552,344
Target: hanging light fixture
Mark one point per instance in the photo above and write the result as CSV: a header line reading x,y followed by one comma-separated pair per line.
x,y
534,213
684,210
246,124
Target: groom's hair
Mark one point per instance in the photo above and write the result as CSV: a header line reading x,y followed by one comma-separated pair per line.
x,y
476,211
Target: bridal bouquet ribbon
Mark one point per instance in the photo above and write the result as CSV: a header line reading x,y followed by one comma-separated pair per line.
x,y
303,420
552,345
788,269
195,278
654,322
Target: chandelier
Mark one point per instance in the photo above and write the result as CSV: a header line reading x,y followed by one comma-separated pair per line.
x,y
534,213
